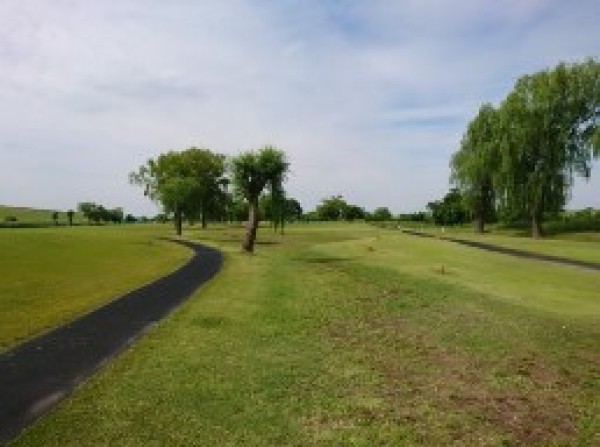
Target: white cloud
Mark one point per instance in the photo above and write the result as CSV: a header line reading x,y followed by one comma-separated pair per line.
x,y
369,99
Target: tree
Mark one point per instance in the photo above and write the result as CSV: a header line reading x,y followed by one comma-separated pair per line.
x,y
450,210
293,209
87,209
381,214
272,207
55,217
473,167
187,183
550,133
333,208
114,215
208,169
70,215
238,209
354,212
252,171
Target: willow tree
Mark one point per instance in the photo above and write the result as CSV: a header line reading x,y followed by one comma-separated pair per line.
x,y
550,134
475,164
252,172
184,183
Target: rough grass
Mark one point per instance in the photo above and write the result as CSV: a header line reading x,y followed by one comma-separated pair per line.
x,y
338,335
51,275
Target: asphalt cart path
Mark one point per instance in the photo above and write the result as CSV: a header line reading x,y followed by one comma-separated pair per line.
x,y
36,375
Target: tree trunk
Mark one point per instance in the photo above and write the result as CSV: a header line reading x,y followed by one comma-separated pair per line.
x,y
203,219
536,225
178,222
479,217
251,226
479,223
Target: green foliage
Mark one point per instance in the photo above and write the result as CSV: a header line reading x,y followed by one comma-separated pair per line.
x,y
189,183
70,216
252,172
526,153
293,209
413,217
354,212
278,208
476,163
381,214
332,208
98,213
551,119
450,210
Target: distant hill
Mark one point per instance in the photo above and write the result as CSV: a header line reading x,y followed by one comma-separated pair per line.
x,y
24,215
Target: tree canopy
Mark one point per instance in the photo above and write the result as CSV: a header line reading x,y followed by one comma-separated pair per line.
x,y
525,155
450,210
96,213
252,172
187,184
473,167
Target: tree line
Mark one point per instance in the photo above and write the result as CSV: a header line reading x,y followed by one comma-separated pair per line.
x,y
336,208
96,213
518,161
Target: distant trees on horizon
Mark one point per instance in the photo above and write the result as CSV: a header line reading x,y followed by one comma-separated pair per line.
x,y
96,213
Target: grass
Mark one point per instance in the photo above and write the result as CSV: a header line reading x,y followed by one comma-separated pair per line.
x,y
52,275
37,216
543,286
345,335
579,246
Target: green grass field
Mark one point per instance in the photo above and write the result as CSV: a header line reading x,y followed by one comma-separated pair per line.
x,y
37,216
579,246
52,275
351,335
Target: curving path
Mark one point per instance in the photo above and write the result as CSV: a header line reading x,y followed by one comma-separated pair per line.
x,y
510,251
39,373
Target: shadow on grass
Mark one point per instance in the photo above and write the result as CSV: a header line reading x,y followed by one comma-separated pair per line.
x,y
324,259
210,322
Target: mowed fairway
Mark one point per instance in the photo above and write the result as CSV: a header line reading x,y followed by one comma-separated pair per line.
x,y
578,246
346,334
52,275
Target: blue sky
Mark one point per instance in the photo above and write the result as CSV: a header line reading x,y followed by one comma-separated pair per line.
x,y
368,98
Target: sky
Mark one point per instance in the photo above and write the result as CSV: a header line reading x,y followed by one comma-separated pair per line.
x,y
369,99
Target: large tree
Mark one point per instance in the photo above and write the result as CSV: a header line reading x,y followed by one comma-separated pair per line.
x,y
474,166
332,208
382,214
186,183
450,210
208,195
550,133
252,172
